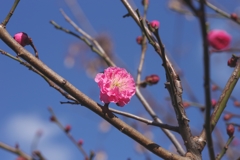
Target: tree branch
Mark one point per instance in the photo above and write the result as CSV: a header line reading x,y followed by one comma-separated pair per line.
x,y
85,101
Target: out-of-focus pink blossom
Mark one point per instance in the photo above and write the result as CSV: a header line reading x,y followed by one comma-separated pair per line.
x,y
139,39
230,130
22,38
219,39
67,128
214,102
116,85
155,24
237,103
234,16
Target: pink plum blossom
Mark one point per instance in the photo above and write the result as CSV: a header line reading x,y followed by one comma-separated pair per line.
x,y
116,85
22,38
219,39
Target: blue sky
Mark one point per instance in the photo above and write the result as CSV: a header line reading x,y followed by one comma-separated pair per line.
x,y
25,96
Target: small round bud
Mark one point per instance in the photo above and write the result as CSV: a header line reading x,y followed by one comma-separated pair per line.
x,y
152,79
230,130
22,38
145,2
234,16
186,104
214,87
139,39
52,118
155,24
21,158
214,102
237,103
67,128
227,117
232,62
80,142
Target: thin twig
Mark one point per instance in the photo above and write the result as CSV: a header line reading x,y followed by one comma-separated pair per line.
x,y
221,12
225,148
144,120
68,134
94,42
207,91
15,151
6,20
53,85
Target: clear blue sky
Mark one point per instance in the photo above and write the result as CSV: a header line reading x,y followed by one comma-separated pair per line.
x,y
25,96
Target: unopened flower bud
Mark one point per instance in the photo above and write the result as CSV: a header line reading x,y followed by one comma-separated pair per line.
x,y
237,103
152,79
227,116
21,158
80,142
139,39
154,25
234,16
214,87
230,130
145,2
67,128
214,102
232,62
186,104
22,38
52,118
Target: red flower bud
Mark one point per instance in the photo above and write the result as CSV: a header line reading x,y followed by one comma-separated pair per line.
x,y
67,128
230,130
237,103
227,117
186,104
21,158
139,39
152,79
214,87
52,119
145,2
232,62
234,16
80,142
22,38
214,102
154,25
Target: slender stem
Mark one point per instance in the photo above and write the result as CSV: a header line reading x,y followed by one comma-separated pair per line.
x,y
6,20
15,151
87,36
221,12
225,148
149,122
68,134
39,73
207,91
144,48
